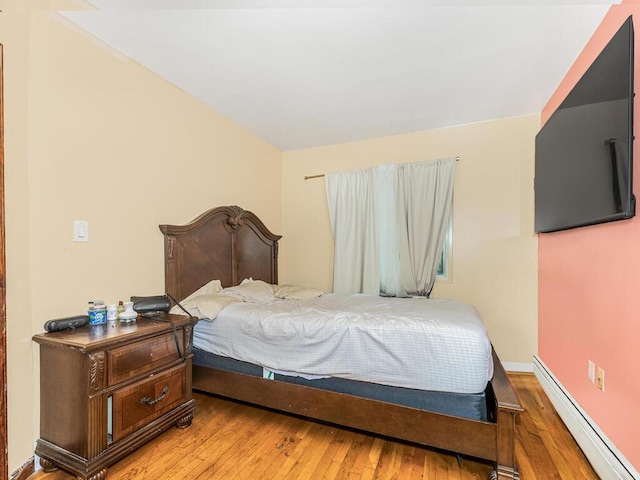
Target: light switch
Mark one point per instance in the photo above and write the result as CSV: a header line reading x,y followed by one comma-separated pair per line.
x,y
80,231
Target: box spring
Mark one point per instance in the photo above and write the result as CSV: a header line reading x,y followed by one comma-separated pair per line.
x,y
471,406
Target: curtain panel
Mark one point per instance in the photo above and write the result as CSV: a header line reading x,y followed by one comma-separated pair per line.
x,y
389,225
352,212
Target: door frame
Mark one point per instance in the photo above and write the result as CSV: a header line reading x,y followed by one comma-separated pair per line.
x,y
4,466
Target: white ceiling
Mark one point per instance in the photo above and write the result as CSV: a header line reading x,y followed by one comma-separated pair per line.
x,y
303,73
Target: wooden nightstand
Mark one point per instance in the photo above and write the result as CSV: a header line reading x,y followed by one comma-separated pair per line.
x,y
105,391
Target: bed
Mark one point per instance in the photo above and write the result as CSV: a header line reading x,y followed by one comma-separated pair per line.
x,y
233,246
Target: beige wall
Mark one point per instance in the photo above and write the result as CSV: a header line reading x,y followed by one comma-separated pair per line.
x,y
92,136
494,247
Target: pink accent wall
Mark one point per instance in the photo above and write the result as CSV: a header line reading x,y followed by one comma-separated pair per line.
x,y
589,288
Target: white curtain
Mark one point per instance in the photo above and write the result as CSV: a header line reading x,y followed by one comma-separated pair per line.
x,y
389,210
389,224
352,214
426,190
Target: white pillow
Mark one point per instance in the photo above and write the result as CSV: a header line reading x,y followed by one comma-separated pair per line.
x,y
206,307
255,291
214,286
293,292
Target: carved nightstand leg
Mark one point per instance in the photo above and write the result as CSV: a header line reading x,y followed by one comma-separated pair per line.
x,y
48,466
101,475
185,421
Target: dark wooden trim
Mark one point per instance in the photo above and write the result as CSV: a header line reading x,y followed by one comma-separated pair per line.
x,y
4,465
25,470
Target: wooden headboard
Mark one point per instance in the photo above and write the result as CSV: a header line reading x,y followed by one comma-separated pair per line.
x,y
224,243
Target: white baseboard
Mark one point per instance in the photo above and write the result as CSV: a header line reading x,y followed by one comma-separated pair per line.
x,y
605,458
518,367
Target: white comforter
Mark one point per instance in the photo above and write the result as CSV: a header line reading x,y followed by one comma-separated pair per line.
x,y
428,344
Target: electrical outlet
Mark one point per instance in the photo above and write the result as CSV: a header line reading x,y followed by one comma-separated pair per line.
x,y
600,379
592,372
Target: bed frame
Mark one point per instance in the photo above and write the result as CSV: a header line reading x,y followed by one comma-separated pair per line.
x,y
230,244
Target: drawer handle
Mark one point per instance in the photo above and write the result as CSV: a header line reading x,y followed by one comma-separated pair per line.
x,y
148,401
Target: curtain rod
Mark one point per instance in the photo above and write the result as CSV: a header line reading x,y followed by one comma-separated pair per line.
x,y
309,177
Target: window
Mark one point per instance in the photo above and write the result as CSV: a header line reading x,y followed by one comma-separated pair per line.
x,y
444,268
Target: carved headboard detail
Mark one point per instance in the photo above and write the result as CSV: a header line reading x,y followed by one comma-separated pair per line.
x,y
225,243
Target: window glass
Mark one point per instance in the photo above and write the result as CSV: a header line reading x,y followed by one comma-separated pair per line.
x,y
444,268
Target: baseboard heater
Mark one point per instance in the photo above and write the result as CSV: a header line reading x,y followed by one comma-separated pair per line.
x,y
605,458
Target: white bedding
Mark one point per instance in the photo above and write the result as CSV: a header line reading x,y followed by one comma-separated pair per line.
x,y
428,344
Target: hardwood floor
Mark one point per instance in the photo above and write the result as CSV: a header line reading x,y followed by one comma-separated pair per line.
x,y
231,441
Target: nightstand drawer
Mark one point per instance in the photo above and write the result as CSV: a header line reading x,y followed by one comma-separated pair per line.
x,y
143,402
141,357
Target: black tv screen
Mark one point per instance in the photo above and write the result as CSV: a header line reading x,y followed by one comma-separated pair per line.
x,y
584,152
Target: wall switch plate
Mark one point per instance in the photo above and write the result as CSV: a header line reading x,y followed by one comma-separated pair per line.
x,y
592,372
80,231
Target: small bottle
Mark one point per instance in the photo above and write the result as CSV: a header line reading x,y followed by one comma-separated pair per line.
x,y
119,310
112,314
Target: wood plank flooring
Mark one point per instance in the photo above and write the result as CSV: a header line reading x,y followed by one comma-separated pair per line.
x,y
232,441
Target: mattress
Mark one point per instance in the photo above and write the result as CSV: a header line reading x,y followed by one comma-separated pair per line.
x,y
417,343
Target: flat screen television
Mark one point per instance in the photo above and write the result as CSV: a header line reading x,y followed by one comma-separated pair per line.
x,y
584,152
